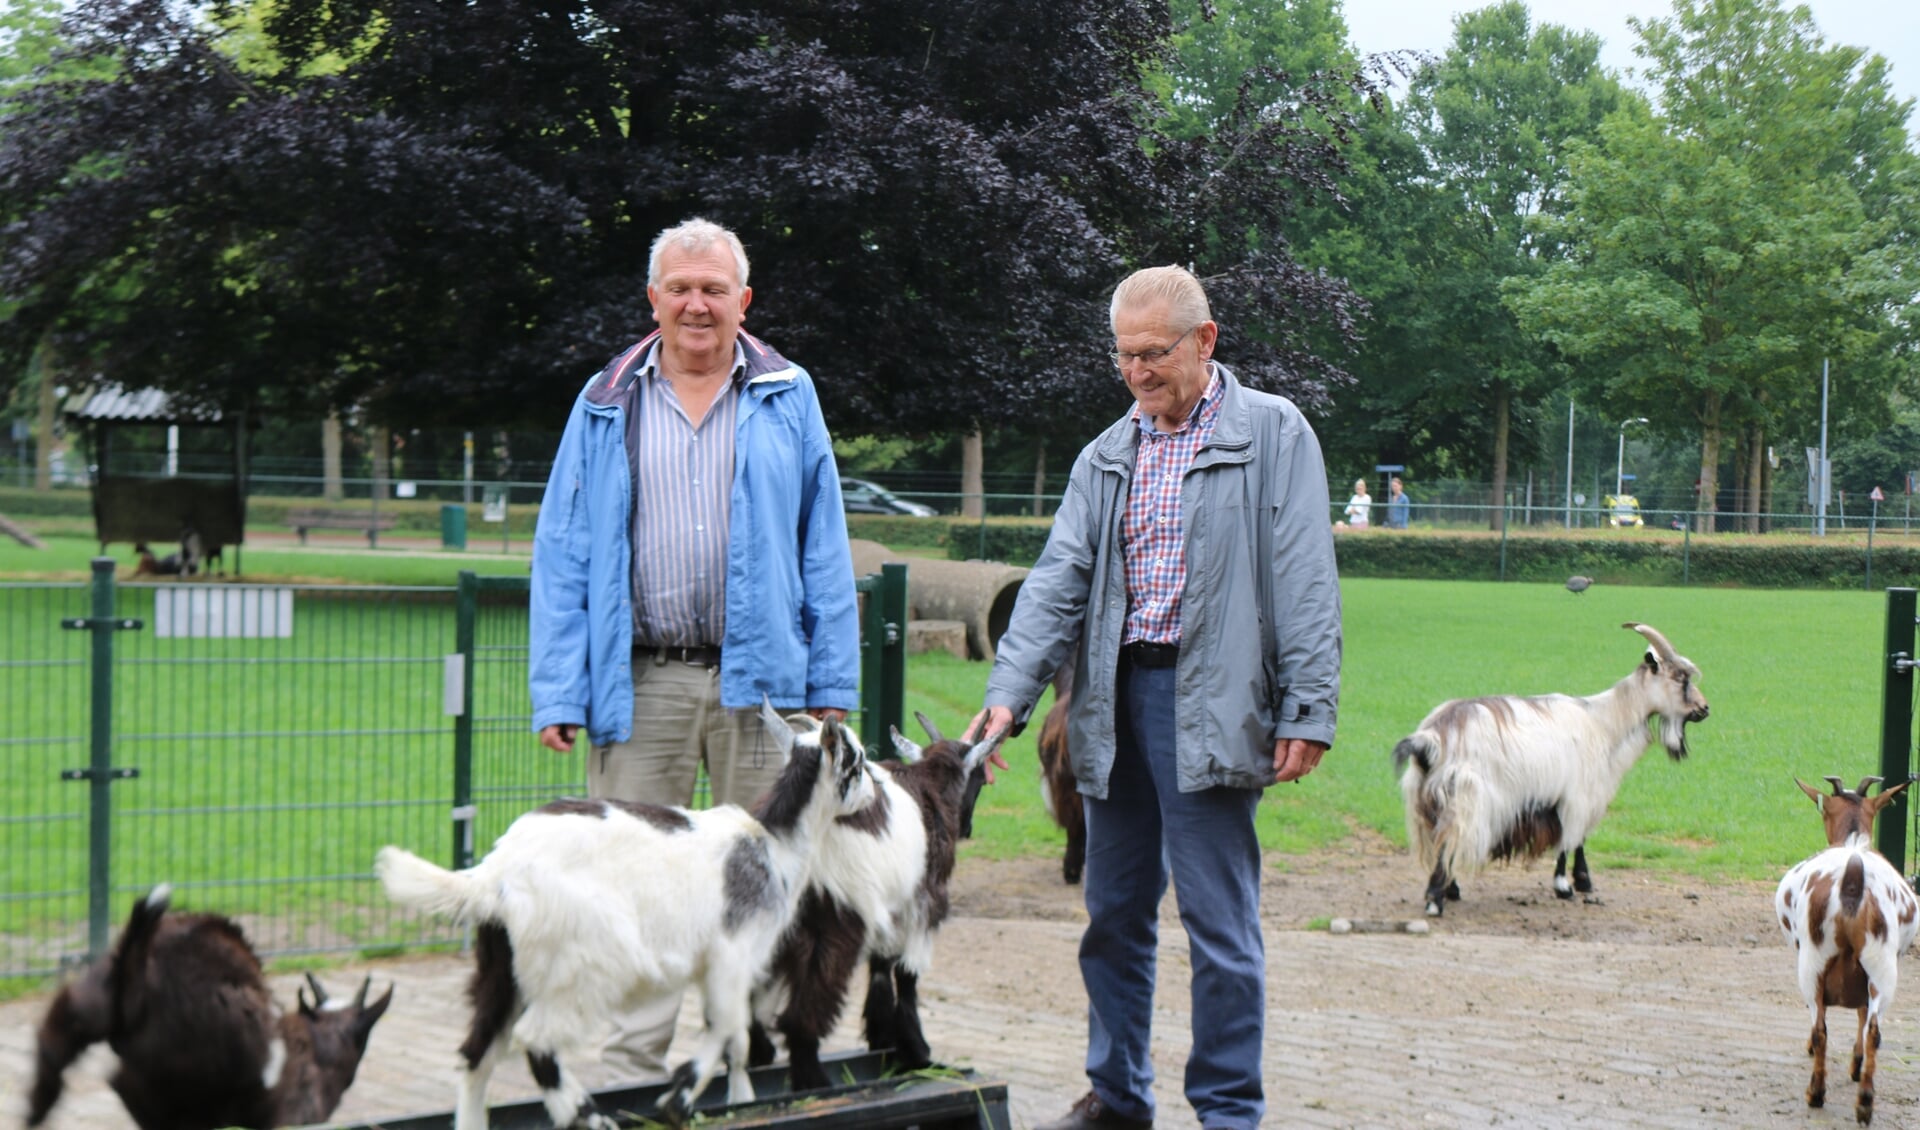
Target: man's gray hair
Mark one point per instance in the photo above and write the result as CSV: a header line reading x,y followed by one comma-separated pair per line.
x,y
694,236
1185,298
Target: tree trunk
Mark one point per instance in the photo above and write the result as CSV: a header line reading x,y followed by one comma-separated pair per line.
x,y
1502,404
380,449
1756,476
973,503
43,427
331,489
1040,476
1704,506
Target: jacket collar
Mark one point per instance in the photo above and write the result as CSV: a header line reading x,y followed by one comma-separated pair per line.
x,y
766,370
1232,429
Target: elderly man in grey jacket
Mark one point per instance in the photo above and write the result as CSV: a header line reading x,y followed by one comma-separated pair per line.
x,y
1191,564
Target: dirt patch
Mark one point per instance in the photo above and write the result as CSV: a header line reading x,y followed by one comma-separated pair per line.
x,y
1370,879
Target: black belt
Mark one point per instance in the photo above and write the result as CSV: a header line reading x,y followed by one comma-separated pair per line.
x,y
1143,654
705,655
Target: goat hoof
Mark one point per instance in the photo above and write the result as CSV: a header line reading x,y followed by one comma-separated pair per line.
x,y
1435,909
1583,884
1863,1110
1453,891
676,1106
1817,1098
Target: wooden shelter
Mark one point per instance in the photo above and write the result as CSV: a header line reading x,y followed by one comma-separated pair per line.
x,y
152,506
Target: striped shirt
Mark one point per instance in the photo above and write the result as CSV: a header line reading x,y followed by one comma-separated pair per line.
x,y
1152,532
683,482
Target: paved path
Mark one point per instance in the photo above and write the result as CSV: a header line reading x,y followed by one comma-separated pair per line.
x,y
1365,1030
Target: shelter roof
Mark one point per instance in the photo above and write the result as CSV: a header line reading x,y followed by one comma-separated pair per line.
x,y
111,402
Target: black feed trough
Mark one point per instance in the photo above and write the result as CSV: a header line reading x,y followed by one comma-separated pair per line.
x,y
869,1100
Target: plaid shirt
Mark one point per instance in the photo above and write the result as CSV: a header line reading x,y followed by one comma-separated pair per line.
x,y
1152,531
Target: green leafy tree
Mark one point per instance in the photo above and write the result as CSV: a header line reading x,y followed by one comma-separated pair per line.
x,y
1760,219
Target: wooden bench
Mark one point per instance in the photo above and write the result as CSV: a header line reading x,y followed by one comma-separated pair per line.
x,y
369,521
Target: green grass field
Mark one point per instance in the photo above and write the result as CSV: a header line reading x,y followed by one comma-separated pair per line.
x,y
1794,679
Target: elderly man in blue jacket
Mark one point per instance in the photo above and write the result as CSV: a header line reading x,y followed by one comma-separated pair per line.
x,y
1192,561
691,557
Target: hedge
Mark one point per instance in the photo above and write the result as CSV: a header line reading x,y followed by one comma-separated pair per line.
x,y
1631,557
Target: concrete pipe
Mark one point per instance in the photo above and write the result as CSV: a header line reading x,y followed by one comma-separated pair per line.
x,y
979,594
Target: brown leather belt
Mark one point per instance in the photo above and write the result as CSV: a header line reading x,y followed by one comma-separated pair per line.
x,y
704,655
1140,653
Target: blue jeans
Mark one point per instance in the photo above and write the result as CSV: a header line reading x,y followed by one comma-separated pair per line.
x,y
1145,827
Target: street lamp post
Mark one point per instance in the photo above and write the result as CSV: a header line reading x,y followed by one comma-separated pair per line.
x,y
1620,458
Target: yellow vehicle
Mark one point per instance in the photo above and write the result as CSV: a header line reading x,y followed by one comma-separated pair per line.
x,y
1622,510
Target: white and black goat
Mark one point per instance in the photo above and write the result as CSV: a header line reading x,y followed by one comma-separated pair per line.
x,y
1492,778
1059,788
201,1043
878,891
587,906
1850,915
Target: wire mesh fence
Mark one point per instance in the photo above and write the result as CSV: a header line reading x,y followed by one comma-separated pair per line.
x,y
254,745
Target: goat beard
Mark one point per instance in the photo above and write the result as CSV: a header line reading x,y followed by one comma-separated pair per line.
x,y
1673,735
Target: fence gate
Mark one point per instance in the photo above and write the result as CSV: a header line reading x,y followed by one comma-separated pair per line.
x,y
1896,730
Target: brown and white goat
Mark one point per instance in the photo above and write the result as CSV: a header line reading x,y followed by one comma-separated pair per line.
x,y
1059,788
1486,779
1850,915
586,906
181,1000
878,891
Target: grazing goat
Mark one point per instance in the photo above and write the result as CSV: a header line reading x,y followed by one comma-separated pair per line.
x,y
149,565
1059,789
1850,915
202,1044
588,906
1487,779
878,890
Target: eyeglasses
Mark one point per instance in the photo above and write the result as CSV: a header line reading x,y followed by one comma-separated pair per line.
x,y
1149,357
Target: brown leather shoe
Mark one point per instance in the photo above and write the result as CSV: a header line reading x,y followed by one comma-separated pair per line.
x,y
1092,1114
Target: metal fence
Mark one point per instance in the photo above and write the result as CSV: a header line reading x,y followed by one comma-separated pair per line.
x,y
253,745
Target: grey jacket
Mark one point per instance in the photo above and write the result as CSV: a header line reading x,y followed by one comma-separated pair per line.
x,y
1260,614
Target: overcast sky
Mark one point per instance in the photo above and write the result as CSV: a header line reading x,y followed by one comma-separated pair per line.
x,y
1886,27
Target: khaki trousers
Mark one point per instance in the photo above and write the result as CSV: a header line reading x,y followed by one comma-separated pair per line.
x,y
678,723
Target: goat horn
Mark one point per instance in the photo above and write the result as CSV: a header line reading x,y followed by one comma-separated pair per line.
x,y
1661,647
776,726
933,731
1866,783
360,998
1839,789
319,994
983,749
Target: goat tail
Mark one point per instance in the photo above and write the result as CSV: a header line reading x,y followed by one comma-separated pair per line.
x,y
414,882
1418,748
127,971
1853,886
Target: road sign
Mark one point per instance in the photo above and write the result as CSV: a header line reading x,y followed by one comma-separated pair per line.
x,y
1877,496
1385,468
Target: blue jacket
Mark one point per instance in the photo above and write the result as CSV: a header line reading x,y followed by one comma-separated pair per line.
x,y
792,624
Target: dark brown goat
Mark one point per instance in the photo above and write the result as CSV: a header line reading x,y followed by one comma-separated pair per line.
x,y
1058,786
879,890
202,1044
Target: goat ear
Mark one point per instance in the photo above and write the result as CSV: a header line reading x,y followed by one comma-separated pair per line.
x,y
1889,793
933,731
983,749
904,746
1819,798
365,1013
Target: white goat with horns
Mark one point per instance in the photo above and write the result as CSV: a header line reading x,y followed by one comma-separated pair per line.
x,y
1491,778
1850,915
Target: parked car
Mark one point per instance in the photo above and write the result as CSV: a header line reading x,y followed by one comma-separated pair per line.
x,y
1623,510
863,497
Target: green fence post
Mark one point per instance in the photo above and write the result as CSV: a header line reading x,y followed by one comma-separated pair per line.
x,y
893,656
468,605
100,772
1896,725
873,636
1503,543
